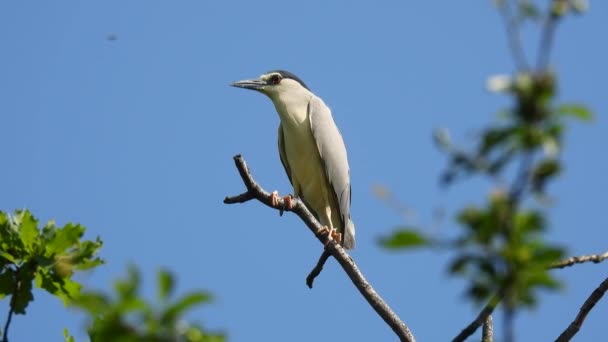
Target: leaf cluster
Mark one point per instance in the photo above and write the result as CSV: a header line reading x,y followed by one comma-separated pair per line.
x,y
46,258
127,316
533,125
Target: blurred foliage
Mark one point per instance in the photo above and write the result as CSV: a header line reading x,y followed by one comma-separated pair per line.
x,y
128,317
46,257
405,238
501,247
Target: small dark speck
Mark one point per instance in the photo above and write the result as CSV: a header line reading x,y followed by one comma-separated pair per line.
x,y
112,37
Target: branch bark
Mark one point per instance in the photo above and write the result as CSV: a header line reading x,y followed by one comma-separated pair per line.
x,y
480,319
487,332
255,191
318,268
575,326
595,258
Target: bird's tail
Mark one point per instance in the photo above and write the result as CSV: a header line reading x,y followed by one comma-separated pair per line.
x,y
348,240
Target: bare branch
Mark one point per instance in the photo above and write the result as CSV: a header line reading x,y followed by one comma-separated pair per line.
x,y
575,326
512,28
255,191
595,258
318,268
487,331
480,319
546,38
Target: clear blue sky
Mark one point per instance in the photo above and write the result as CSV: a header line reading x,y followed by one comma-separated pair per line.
x,y
134,138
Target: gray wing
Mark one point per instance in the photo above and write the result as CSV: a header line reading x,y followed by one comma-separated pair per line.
x,y
334,159
283,155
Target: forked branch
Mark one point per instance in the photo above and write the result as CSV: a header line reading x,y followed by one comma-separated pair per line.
x,y
255,191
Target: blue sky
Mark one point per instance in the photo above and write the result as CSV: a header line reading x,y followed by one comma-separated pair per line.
x,y
134,138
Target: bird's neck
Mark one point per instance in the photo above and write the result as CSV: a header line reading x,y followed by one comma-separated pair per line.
x,y
293,110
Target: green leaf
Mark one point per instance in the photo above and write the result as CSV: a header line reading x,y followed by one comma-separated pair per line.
x,y
544,171
93,302
127,288
494,137
479,291
28,229
184,304
546,255
166,284
58,285
64,238
531,221
404,238
8,257
574,110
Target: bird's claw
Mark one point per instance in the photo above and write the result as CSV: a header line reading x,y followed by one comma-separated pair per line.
x,y
332,234
287,202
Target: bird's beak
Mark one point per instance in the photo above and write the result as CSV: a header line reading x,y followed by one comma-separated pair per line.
x,y
250,84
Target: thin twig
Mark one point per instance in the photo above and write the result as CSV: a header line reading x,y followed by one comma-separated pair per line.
x,y
575,326
487,331
480,319
512,29
318,268
546,40
8,322
11,304
595,258
333,248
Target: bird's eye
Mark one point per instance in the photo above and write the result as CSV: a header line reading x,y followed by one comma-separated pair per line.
x,y
275,79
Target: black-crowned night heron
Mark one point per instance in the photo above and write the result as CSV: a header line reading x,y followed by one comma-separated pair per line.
x,y
312,151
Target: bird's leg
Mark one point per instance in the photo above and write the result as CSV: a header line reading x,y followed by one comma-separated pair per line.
x,y
331,231
332,235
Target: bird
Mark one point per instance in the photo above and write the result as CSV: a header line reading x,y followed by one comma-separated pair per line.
x,y
312,151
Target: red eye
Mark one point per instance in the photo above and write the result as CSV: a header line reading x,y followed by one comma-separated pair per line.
x,y
275,79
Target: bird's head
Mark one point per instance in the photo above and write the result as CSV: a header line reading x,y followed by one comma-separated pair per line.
x,y
274,84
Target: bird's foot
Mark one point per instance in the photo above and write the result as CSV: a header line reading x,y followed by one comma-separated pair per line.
x,y
287,202
332,235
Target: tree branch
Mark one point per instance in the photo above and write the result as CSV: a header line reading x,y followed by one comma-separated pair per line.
x,y
546,40
12,302
377,303
318,268
595,258
513,37
487,332
575,326
480,319
8,321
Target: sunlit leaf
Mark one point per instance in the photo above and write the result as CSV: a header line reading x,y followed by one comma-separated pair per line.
x,y
28,229
64,238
